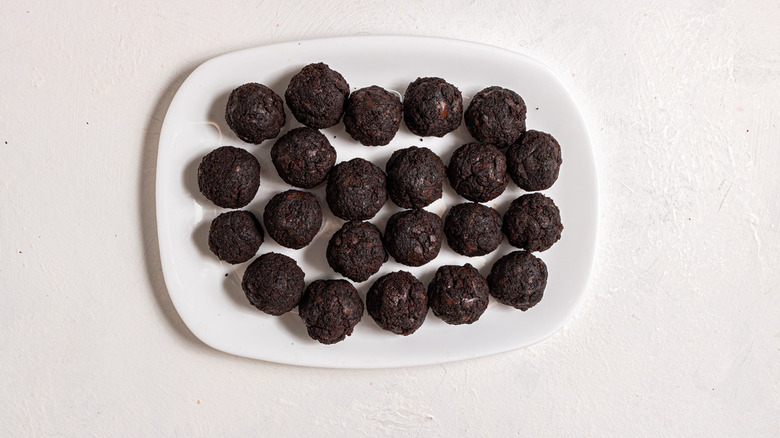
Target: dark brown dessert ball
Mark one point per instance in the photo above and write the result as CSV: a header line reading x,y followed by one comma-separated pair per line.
x,y
473,229
533,222
356,190
496,116
235,236
293,218
229,177
518,279
398,303
533,162
303,157
432,107
273,283
330,309
316,96
413,237
458,294
414,177
477,172
356,251
372,115
255,113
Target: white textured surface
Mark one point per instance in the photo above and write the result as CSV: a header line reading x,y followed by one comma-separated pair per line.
x,y
679,334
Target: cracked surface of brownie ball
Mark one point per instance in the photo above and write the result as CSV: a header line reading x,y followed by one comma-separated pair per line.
x,y
518,279
255,113
432,107
473,229
533,222
303,157
316,96
497,116
229,177
356,189
533,161
414,177
372,115
413,237
477,171
273,283
398,303
235,236
458,294
330,309
293,218
356,250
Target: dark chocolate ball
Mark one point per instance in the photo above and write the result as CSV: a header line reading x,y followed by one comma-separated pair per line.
x,y
458,294
356,250
372,115
356,189
229,177
533,162
473,229
432,107
413,237
303,157
518,279
293,218
330,309
477,172
414,177
273,283
316,96
235,236
497,116
533,222
255,113
398,303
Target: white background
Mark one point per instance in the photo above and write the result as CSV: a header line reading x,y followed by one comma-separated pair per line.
x,y
679,334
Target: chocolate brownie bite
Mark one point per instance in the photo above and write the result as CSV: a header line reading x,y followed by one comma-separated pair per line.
x,y
316,96
414,177
273,283
432,107
473,229
255,113
229,177
293,218
330,309
372,115
458,294
398,303
497,116
356,190
518,279
413,237
477,171
235,236
533,222
356,251
533,162
303,157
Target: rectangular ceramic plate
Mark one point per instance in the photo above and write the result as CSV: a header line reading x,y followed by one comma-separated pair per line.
x,y
207,293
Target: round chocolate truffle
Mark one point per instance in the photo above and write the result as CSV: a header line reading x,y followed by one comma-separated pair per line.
x,y
356,251
458,294
477,172
497,116
356,190
330,309
293,218
533,161
518,279
229,177
303,157
273,283
473,229
533,222
432,107
235,236
398,303
316,96
414,177
255,113
372,115
413,237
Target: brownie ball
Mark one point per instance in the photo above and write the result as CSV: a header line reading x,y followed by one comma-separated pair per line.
x,y
398,303
473,229
477,171
413,237
255,113
534,160
356,190
229,177
356,251
316,96
330,309
372,115
293,218
273,283
497,116
235,236
432,107
458,294
533,222
414,177
518,279
303,157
